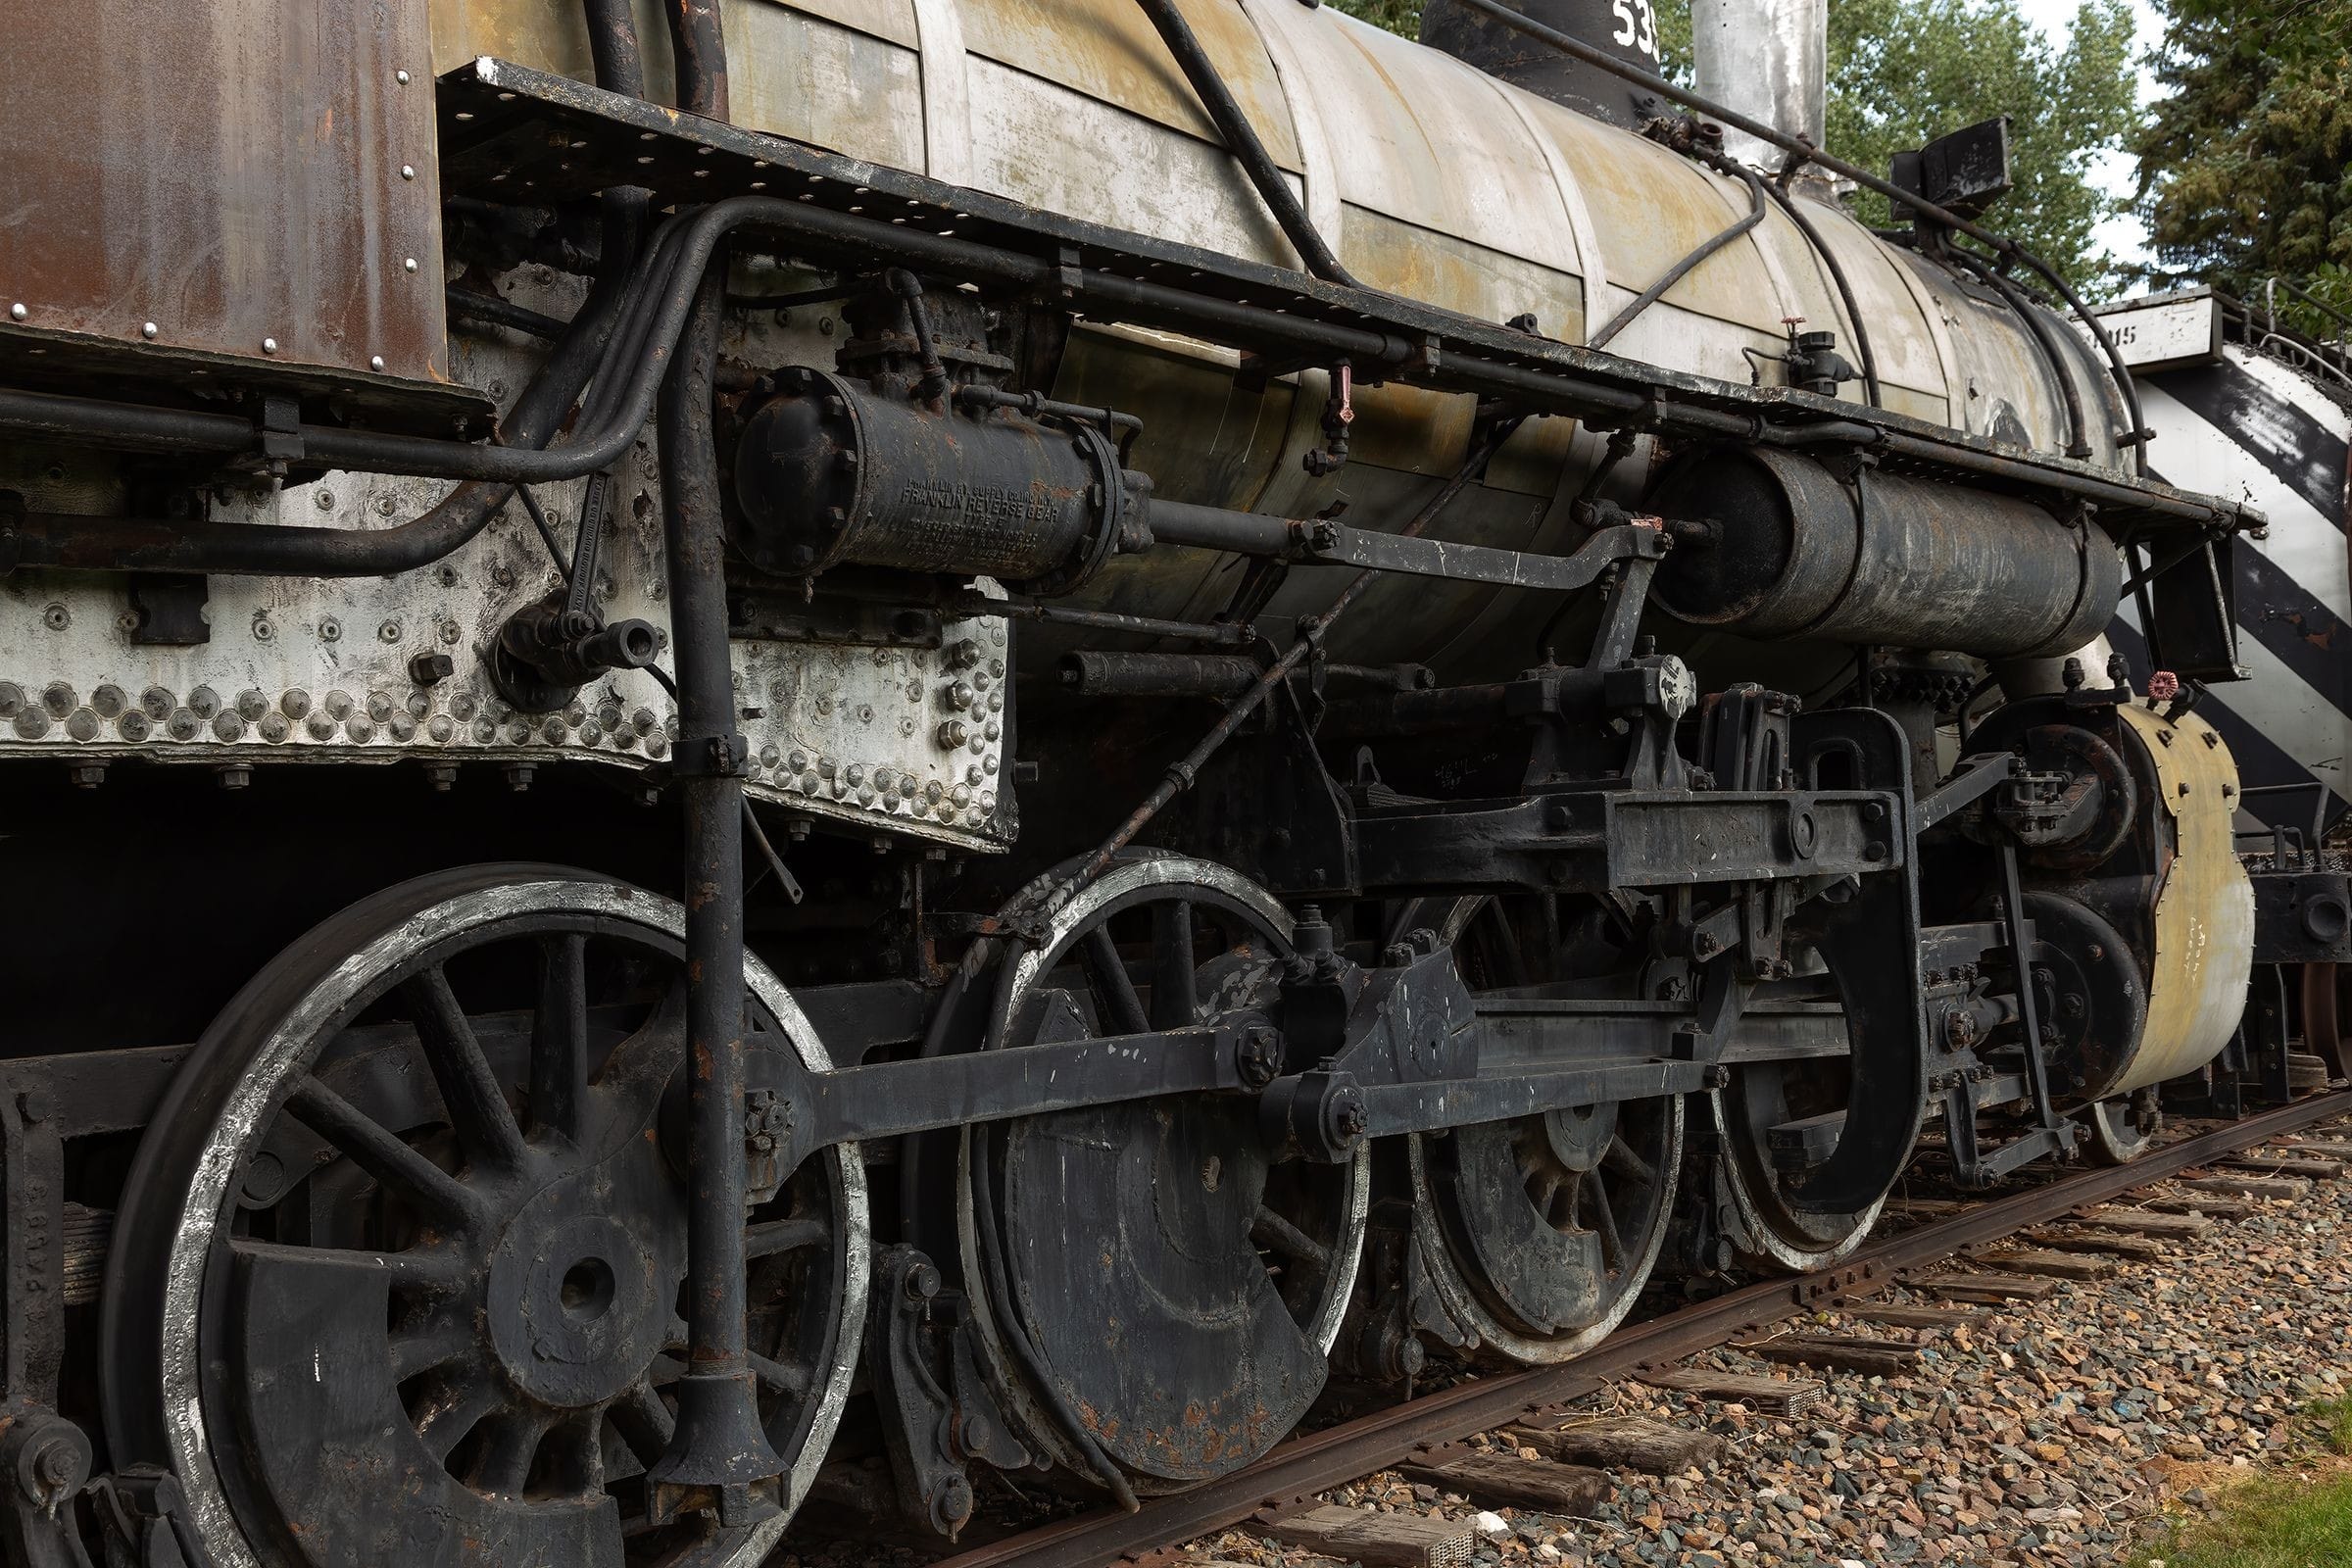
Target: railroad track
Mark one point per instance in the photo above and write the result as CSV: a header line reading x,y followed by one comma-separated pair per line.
x,y
1318,1462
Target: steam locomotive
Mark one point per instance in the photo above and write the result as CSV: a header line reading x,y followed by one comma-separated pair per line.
x,y
978,729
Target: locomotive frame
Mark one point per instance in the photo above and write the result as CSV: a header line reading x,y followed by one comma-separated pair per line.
x,y
635,1238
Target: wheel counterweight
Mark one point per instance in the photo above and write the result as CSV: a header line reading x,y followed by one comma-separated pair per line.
x,y
1155,1293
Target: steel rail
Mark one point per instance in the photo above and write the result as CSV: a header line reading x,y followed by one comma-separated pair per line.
x,y
1318,1462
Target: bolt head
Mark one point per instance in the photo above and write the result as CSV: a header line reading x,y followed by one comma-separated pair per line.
x,y
18,311
375,362
269,345
148,329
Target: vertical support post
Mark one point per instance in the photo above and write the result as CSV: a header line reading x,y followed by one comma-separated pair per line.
x,y
719,1455
2029,1004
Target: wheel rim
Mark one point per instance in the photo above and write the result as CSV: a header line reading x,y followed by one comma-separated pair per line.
x,y
1228,1277
1764,1228
1541,1232
469,1322
2116,1135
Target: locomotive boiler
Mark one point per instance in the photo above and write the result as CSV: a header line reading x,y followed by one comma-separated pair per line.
x,y
975,730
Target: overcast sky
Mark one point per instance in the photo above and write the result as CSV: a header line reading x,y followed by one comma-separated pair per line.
x,y
2126,236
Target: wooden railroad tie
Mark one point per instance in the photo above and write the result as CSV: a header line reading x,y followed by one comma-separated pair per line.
x,y
1622,1443
1374,1540
2249,1186
2317,1170
1507,1481
2211,1205
2324,1150
1923,1209
2113,1244
1766,1396
1870,1357
2140,1222
1891,1315
1993,1288
2058,1265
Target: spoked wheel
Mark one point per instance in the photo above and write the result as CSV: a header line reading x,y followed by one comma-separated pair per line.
x,y
398,1278
2121,1130
1541,1231
1154,1295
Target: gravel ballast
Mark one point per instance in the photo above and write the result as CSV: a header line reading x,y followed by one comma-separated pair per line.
x,y
2054,1434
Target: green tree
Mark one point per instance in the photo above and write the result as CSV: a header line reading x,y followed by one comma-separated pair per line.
x,y
1904,72
2245,164
1400,16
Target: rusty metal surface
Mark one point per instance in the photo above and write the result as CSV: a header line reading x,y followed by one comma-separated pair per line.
x,y
1318,1461
236,178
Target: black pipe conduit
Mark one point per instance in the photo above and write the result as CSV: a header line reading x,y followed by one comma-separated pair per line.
x,y
719,1452
613,45
1241,140
1681,269
719,1442
699,45
1578,49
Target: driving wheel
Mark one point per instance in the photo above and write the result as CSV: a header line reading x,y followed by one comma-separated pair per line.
x,y
399,1279
1541,1231
1156,1293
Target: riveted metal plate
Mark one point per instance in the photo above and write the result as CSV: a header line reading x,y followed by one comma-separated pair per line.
x,y
226,188
906,738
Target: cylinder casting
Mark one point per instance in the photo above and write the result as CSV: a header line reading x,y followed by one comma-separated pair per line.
x,y
829,473
1887,560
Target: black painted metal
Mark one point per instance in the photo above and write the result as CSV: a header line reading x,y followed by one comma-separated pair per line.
x,y
1626,32
1320,1460
1798,550
832,471
719,1455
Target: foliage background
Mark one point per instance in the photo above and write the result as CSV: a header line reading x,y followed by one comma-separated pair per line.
x,y
2245,163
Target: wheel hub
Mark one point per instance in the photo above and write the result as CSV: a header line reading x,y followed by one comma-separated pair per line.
x,y
579,1303
404,1246
1580,1135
